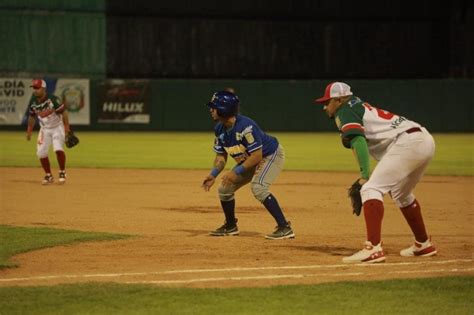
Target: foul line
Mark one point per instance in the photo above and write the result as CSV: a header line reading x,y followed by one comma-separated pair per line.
x,y
269,277
298,276
317,266
125,274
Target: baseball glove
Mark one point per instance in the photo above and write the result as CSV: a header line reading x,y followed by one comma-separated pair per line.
x,y
356,200
71,139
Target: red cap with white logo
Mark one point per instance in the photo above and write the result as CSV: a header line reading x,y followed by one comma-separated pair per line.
x,y
335,89
38,83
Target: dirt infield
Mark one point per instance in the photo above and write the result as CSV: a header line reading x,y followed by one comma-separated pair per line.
x,y
171,215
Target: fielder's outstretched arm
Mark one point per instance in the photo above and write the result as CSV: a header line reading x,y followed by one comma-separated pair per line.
x,y
361,152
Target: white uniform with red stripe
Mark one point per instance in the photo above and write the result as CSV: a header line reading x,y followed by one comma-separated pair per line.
x,y
402,147
49,112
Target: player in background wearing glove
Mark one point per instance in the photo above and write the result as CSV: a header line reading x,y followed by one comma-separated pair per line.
x,y
403,149
54,124
71,139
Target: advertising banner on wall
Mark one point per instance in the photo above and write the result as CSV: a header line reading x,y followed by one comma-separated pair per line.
x,y
16,93
14,97
75,95
124,101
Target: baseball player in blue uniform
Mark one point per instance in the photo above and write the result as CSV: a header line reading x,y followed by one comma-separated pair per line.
x,y
259,159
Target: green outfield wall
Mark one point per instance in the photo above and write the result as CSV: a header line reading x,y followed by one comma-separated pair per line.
x,y
283,105
277,105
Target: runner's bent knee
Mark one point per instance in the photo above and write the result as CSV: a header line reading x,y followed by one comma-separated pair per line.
x,y
260,192
226,193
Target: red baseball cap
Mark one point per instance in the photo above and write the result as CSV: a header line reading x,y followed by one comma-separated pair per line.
x,y
38,83
334,89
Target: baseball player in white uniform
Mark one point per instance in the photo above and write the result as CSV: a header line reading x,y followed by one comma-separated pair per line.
x,y
403,149
54,124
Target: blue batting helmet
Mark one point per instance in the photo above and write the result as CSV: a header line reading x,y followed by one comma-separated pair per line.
x,y
226,103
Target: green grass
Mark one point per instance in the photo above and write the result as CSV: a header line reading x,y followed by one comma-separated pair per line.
x,y
305,151
448,295
174,150
15,240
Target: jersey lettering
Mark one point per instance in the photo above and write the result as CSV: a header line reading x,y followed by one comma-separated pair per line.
x,y
238,153
380,112
236,149
378,126
242,139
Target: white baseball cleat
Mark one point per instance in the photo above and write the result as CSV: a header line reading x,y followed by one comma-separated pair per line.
x,y
368,255
48,179
425,249
62,177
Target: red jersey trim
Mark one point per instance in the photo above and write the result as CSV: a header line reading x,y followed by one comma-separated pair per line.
x,y
350,126
60,109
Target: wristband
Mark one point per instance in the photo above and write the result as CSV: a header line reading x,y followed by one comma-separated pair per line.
x,y
215,172
239,169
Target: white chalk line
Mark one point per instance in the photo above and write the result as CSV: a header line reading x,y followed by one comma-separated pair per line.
x,y
131,274
269,277
297,276
432,270
318,266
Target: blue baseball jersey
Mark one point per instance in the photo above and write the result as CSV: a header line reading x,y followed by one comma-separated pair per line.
x,y
242,139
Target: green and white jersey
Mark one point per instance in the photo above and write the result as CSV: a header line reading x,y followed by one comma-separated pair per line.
x,y
378,126
48,110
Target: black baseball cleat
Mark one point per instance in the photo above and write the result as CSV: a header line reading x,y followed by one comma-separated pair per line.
x,y
226,230
281,232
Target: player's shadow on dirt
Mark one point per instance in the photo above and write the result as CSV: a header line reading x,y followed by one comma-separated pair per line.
x,y
192,233
328,250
